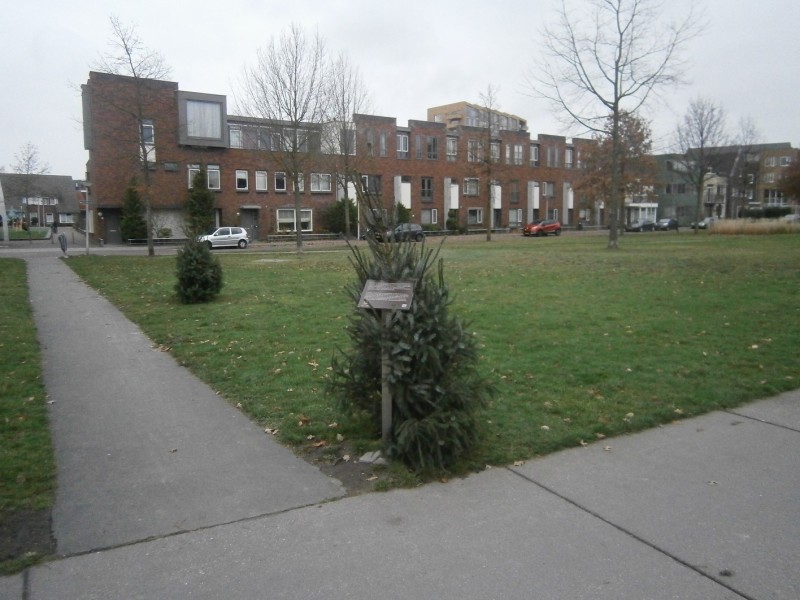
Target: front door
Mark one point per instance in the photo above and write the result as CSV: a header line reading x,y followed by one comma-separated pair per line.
x,y
248,218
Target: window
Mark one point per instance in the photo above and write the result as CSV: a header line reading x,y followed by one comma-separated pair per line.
x,y
552,156
452,149
568,157
193,171
295,140
204,119
513,192
149,141
429,216
214,179
300,182
515,217
402,145
235,135
286,220
474,151
427,188
370,143
769,178
471,186
433,148
320,182
382,145
418,146
534,155
549,189
474,216
261,181
280,182
241,181
371,184
771,161
518,154
786,161
171,167
494,151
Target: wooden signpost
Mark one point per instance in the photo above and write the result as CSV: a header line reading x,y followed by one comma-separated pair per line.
x,y
386,296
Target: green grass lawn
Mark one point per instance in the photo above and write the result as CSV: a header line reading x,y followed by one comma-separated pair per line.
x,y
26,455
582,342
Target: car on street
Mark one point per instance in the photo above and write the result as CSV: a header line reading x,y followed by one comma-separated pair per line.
x,y
221,237
403,232
640,226
542,228
704,224
667,224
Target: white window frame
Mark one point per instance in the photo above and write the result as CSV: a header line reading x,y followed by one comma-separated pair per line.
x,y
569,156
214,177
235,137
262,183
192,169
301,182
471,186
402,145
286,216
320,182
426,194
452,149
429,216
242,177
474,216
519,154
534,155
148,133
515,217
279,182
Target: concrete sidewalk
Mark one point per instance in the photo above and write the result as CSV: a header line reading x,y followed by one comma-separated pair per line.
x,y
706,508
144,449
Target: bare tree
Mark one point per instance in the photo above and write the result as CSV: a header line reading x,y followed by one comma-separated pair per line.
x,y
288,87
28,163
610,64
129,56
489,152
348,96
701,141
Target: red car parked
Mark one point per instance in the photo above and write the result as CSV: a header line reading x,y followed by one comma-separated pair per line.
x,y
540,228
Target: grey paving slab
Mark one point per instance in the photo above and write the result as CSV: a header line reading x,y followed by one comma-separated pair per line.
x,y
720,492
143,447
11,587
493,535
781,410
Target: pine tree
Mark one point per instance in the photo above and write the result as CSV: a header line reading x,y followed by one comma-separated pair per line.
x,y
435,385
199,273
133,225
199,207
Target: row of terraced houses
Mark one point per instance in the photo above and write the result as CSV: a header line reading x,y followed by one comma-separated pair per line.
x,y
434,167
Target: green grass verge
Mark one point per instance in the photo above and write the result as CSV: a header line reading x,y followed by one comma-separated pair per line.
x,y
27,467
582,342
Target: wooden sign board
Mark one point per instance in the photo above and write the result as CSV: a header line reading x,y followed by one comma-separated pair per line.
x,y
387,295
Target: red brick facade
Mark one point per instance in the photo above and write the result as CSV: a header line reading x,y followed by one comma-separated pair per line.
x,y
436,174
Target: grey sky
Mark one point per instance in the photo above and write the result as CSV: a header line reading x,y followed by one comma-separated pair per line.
x,y
412,55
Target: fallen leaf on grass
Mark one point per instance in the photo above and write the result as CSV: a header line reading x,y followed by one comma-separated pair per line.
x,y
372,478
270,431
584,444
319,444
607,448
519,463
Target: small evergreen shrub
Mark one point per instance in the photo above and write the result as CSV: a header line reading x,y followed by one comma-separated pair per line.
x,y
132,225
436,388
199,274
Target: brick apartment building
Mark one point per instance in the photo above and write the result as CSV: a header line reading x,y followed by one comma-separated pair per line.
x,y
435,167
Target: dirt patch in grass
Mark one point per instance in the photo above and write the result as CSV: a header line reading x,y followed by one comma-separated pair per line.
x,y
341,462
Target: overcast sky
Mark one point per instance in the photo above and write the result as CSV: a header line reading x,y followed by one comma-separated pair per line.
x,y
412,54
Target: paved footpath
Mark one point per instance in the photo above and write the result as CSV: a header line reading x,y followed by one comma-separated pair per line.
x,y
706,508
144,449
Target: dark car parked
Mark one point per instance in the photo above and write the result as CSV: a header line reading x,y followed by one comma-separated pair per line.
x,y
667,224
403,232
540,228
641,226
